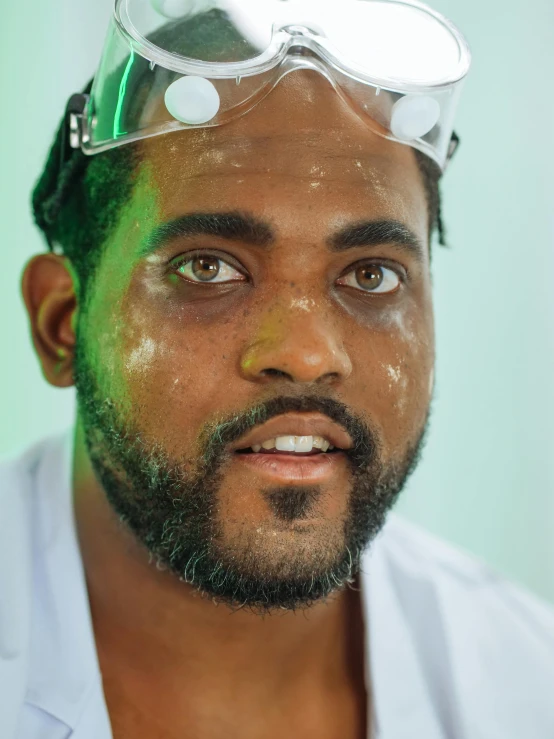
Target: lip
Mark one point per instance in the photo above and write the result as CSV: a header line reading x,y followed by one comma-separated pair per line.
x,y
297,424
287,468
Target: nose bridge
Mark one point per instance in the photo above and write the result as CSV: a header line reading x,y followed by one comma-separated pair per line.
x,y
296,336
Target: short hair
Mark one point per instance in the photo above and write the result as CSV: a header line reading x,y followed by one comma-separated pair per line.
x,y
78,205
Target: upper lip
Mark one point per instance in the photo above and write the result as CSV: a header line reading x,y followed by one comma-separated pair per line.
x,y
295,424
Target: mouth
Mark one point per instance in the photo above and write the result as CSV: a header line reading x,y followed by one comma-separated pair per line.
x,y
281,466
292,446
296,432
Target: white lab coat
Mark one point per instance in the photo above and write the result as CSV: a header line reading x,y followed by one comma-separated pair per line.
x,y
452,650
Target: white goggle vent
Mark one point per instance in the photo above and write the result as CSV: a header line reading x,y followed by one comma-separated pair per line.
x,y
179,8
414,116
193,100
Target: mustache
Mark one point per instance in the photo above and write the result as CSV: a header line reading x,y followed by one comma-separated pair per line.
x,y
216,436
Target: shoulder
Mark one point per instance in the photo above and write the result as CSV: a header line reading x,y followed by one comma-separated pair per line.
x,y
16,491
484,644
19,468
463,579
17,476
18,523
21,512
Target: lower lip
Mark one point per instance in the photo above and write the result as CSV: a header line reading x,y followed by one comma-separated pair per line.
x,y
286,468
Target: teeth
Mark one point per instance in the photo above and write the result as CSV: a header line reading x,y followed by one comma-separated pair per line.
x,y
294,444
303,443
285,443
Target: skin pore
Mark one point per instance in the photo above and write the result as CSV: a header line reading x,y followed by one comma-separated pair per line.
x,y
162,364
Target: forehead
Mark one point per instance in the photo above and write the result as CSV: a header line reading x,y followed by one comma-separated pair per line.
x,y
301,160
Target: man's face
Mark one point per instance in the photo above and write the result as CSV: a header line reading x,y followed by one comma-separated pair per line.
x,y
274,297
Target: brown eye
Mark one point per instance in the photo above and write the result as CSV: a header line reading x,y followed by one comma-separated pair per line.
x,y
208,269
373,278
370,277
205,268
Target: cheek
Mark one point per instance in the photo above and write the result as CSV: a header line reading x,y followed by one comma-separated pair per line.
x,y
170,373
413,371
398,376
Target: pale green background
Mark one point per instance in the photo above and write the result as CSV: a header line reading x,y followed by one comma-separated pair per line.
x,y
487,481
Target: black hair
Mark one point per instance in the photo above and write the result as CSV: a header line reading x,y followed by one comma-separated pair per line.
x,y
77,205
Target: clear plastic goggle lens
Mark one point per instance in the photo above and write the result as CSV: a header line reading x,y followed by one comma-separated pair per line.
x,y
392,39
172,64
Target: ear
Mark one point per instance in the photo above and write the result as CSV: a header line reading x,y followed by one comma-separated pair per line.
x,y
50,297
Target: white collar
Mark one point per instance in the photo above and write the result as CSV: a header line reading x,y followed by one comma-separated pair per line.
x,y
63,669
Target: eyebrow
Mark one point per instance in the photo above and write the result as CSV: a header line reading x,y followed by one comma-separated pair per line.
x,y
379,233
244,227
232,226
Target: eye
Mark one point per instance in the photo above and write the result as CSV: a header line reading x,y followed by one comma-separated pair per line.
x,y
372,278
206,268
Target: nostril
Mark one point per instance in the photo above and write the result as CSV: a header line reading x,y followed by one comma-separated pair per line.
x,y
274,373
330,377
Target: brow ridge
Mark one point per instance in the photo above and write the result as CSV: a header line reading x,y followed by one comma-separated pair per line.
x,y
233,226
378,233
239,226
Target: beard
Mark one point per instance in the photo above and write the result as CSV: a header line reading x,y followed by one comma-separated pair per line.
x,y
172,506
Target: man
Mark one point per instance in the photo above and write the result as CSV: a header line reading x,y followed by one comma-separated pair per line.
x,y
246,312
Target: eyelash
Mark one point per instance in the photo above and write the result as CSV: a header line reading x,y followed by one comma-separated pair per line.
x,y
191,256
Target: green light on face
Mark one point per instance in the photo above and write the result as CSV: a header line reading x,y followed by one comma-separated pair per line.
x,y
117,132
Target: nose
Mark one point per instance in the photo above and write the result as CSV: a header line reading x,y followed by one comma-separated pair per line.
x,y
300,344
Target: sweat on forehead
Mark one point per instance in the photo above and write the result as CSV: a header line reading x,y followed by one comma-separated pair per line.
x,y
302,113
304,138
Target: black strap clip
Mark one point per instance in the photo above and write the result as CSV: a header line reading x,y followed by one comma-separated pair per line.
x,y
453,147
72,126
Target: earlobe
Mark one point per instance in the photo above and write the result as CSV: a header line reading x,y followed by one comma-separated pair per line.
x,y
50,298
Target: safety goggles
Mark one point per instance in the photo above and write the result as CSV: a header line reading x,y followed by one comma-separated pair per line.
x,y
170,65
